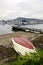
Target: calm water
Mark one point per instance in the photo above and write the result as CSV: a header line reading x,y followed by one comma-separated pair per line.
x,y
36,26
5,29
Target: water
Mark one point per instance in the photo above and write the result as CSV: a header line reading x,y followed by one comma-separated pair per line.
x,y
5,29
36,26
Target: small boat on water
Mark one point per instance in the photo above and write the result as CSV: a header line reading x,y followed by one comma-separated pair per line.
x,y
22,45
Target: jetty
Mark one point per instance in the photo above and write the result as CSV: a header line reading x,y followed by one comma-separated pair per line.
x,y
26,24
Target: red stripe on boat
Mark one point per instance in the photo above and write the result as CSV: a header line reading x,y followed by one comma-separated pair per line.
x,y
24,42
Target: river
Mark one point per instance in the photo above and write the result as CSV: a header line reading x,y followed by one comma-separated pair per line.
x,y
5,29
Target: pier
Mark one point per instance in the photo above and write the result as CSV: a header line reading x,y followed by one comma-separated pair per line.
x,y
38,28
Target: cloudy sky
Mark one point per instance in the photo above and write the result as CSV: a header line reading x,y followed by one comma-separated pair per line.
x,y
10,9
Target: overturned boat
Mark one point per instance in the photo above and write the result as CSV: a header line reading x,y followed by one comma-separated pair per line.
x,y
22,45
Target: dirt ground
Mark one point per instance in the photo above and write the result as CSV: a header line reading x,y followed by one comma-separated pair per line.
x,y
5,40
7,53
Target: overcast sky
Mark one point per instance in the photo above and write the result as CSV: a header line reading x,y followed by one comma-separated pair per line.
x,y
10,9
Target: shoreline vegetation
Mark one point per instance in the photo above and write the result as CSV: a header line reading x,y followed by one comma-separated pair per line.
x,y
8,54
32,59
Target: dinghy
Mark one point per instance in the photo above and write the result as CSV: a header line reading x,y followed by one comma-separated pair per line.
x,y
22,45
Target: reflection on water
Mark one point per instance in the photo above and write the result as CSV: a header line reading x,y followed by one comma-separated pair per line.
x,y
4,29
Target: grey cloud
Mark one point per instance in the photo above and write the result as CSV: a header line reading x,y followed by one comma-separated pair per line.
x,y
24,8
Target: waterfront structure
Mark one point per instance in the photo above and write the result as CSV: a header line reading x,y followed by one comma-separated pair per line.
x,y
27,24
27,21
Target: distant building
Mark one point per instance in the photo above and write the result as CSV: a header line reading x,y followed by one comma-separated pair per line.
x,y
27,21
